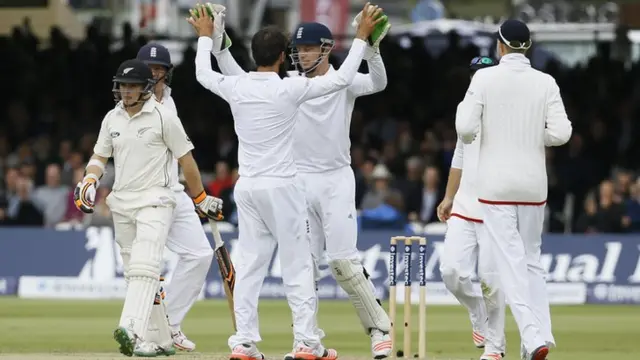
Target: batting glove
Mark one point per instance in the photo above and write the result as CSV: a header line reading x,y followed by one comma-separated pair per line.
x,y
84,195
208,206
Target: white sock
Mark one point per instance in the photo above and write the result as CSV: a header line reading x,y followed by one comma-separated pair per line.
x,y
138,303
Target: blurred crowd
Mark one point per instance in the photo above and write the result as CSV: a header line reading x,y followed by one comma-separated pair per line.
x,y
402,139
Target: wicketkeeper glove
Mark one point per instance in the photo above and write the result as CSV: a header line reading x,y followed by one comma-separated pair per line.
x,y
84,195
379,33
220,39
208,206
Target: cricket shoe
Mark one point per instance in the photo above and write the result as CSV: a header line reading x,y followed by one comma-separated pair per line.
x,y
246,352
151,349
540,353
181,342
492,356
126,339
380,344
304,352
478,339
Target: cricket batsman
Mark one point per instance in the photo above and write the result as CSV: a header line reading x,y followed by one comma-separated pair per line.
x,y
186,235
518,111
463,245
143,137
322,156
269,195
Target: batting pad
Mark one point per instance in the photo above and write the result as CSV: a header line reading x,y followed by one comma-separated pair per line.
x,y
159,331
351,276
138,303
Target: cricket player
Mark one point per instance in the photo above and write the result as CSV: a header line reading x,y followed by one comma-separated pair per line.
x,y
518,111
463,245
143,137
325,172
270,200
186,234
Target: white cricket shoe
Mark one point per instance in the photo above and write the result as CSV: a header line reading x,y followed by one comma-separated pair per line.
x,y
491,356
151,349
478,339
246,352
380,344
126,339
181,342
302,351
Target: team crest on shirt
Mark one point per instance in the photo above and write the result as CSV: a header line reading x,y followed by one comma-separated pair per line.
x,y
143,130
114,134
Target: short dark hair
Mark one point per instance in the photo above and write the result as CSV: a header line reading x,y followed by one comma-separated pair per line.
x,y
267,45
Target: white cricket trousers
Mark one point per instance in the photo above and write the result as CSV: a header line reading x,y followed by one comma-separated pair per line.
x,y
514,234
463,248
141,225
272,212
188,240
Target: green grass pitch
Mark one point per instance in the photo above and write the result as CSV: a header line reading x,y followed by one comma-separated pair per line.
x,y
48,329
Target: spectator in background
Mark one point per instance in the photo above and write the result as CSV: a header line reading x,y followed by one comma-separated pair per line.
x,y
431,196
101,214
74,163
587,222
380,189
11,177
52,198
632,207
623,181
411,185
21,211
73,215
223,180
363,176
610,216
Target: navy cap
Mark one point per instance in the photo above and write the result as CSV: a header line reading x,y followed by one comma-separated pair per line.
x,y
481,62
311,33
515,34
155,54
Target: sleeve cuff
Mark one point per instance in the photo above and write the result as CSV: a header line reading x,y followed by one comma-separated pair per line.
x,y
205,43
358,43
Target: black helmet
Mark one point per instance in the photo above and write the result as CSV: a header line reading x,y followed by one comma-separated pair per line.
x,y
156,54
133,72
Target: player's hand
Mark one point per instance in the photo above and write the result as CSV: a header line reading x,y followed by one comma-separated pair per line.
x,y
371,16
379,32
220,39
84,195
444,209
208,206
201,21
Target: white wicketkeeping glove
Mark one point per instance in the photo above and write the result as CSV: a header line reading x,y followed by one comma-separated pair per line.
x,y
376,37
220,39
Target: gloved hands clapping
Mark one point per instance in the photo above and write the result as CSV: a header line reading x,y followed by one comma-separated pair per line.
x,y
208,206
84,195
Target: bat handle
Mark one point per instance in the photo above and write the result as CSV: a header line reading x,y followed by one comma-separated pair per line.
x,y
217,239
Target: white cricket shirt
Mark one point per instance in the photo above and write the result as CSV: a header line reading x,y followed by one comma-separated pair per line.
x,y
264,108
168,102
519,111
465,158
143,146
321,135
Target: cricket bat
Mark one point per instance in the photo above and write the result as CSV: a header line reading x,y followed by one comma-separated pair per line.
x,y
227,271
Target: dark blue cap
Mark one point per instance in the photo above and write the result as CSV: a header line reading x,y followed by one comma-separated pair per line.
x,y
154,53
515,31
481,62
311,33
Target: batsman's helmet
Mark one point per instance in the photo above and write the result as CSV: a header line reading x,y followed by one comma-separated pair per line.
x,y
156,54
311,33
133,72
481,62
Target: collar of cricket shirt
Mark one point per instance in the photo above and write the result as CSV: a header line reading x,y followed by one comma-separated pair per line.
x,y
146,108
263,74
166,92
515,58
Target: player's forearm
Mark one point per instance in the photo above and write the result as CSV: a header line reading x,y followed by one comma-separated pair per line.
x,y
377,73
227,63
96,166
349,67
204,74
191,175
558,131
453,183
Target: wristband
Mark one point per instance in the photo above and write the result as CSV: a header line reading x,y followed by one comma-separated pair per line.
x,y
200,197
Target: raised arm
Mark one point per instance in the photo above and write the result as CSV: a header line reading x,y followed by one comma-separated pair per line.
x,y
208,78
373,82
469,114
558,128
303,89
227,63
